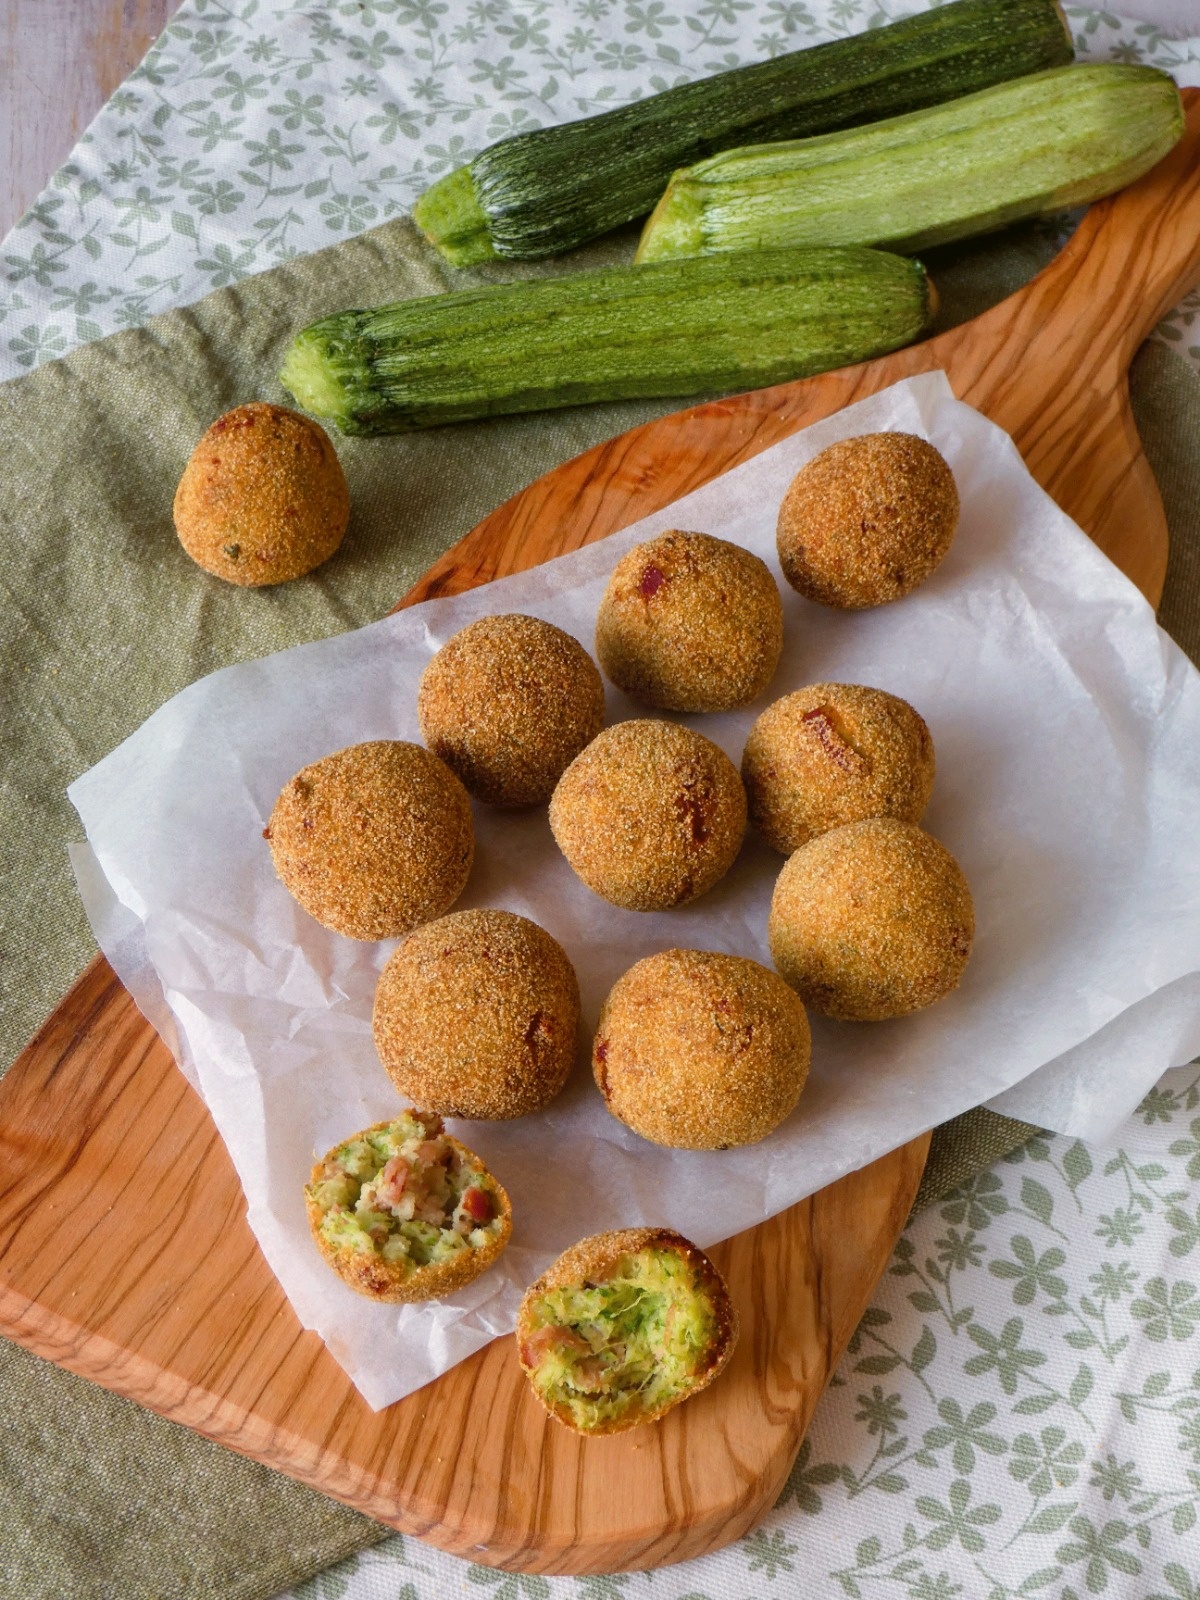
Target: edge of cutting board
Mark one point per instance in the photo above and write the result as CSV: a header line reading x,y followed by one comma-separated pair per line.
x,y
172,1304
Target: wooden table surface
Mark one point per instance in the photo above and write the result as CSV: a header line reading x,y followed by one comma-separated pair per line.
x,y
59,62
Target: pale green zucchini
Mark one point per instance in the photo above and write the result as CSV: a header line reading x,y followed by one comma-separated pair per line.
x,y
679,328
1023,149
539,193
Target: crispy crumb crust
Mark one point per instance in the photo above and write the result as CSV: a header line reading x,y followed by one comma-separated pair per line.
x,y
388,1281
599,1257
690,623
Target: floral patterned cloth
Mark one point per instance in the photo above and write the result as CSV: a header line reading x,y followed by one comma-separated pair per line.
x,y
1019,1411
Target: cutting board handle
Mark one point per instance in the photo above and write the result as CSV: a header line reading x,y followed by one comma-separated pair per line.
x,y
1133,257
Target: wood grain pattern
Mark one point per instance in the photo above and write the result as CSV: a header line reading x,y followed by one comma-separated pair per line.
x,y
59,62
123,1250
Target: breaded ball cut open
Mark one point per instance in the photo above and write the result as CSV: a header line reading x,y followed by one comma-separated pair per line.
x,y
650,815
507,703
477,1015
624,1326
867,520
700,1050
690,623
835,753
402,1211
263,498
374,839
872,920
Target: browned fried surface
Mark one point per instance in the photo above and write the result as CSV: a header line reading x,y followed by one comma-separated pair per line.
x,y
374,839
701,1050
871,920
477,1015
602,1256
867,520
690,623
263,497
835,753
508,703
650,815
395,1281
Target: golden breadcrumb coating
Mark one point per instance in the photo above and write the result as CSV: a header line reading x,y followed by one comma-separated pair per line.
x,y
835,753
599,1259
508,703
867,520
263,498
650,815
374,839
690,623
701,1051
872,920
477,1015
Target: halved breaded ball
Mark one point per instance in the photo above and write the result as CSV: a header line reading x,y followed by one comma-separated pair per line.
x,y
690,623
835,753
650,815
402,1211
624,1326
508,703
867,520
263,498
374,839
872,920
477,1015
700,1050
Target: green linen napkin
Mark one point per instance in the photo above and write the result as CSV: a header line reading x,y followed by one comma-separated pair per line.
x,y
102,618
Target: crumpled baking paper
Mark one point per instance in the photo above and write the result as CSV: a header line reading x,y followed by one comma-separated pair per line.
x,y
1067,731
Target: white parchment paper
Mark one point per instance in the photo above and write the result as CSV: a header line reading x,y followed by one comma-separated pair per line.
x,y
1067,730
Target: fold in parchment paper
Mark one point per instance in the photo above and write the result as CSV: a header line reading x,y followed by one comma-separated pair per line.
x,y
1067,730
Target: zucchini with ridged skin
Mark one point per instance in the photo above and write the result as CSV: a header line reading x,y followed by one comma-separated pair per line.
x,y
1022,149
540,193
680,328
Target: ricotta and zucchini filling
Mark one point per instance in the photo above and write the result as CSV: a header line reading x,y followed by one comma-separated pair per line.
x,y
405,1193
610,1353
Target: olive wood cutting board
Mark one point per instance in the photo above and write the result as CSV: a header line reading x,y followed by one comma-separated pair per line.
x,y
124,1250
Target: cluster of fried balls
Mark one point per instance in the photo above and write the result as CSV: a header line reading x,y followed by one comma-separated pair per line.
x,y
476,1013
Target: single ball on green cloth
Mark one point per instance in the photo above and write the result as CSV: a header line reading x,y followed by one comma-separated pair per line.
x,y
701,1051
374,839
508,703
871,920
650,815
263,498
867,520
835,753
477,1015
690,623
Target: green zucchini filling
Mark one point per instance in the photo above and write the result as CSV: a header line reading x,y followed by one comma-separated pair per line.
x,y
634,1343
404,1193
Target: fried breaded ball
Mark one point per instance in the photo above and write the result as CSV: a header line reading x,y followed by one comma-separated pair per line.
x,y
508,703
867,520
690,623
477,1014
872,920
650,815
263,498
624,1326
835,753
373,839
701,1051
404,1212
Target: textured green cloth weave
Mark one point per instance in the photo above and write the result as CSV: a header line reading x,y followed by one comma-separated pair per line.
x,y
102,618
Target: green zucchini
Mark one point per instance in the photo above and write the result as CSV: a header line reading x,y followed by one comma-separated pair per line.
x,y
1021,149
539,193
680,328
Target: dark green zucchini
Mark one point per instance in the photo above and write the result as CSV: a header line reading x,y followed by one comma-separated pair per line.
x,y
540,193
726,322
